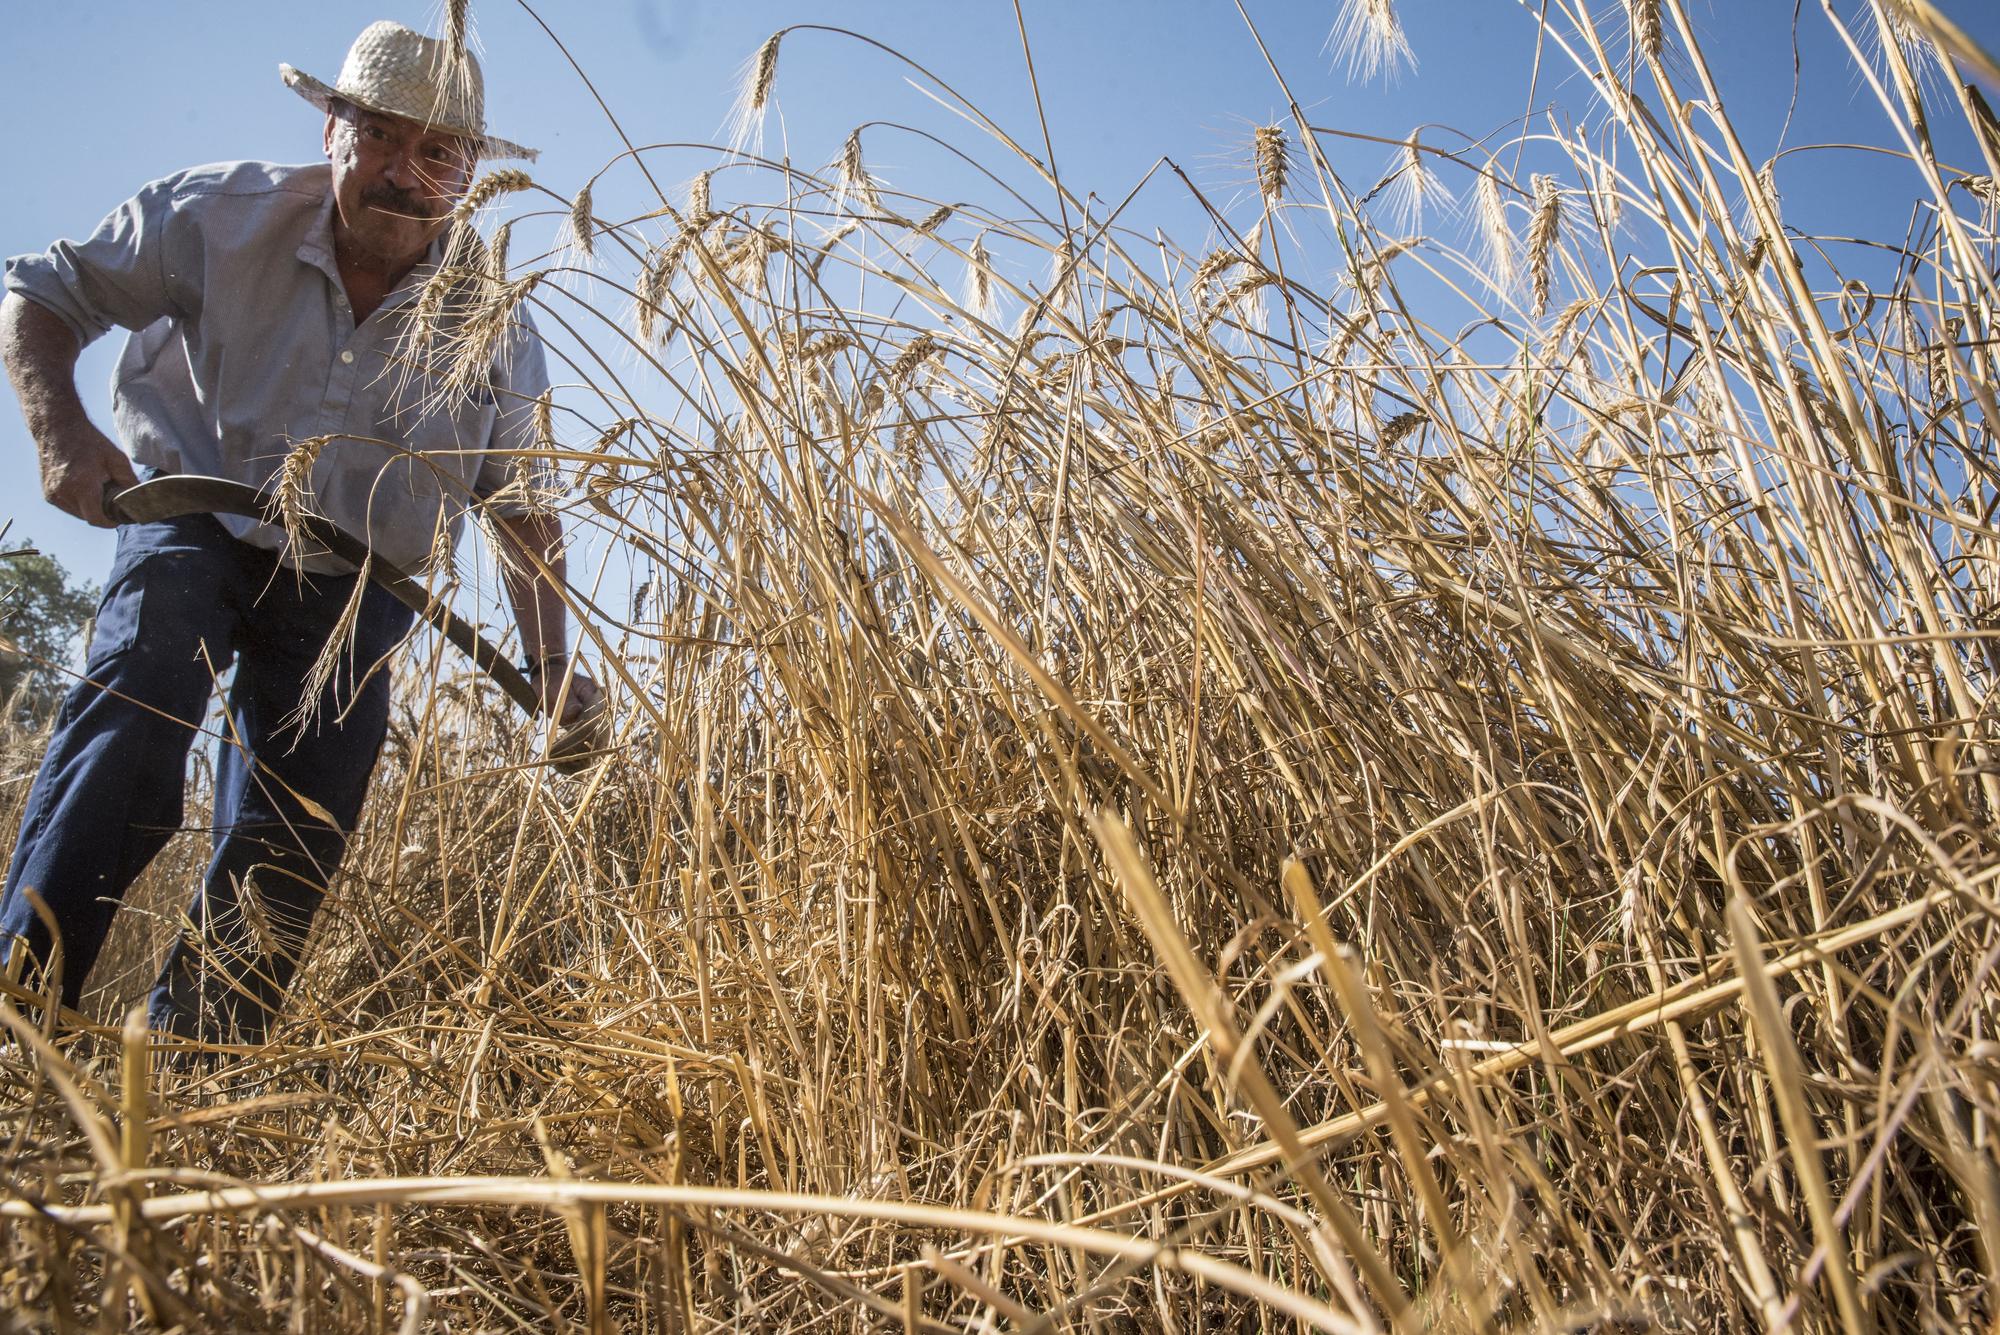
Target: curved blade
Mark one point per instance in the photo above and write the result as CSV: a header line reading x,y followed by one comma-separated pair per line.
x,y
177,494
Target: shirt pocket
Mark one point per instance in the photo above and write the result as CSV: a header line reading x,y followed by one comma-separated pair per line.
x,y
424,479
446,440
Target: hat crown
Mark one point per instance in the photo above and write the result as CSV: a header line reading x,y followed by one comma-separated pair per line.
x,y
392,69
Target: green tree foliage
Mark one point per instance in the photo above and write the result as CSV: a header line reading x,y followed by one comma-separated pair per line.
x,y
42,612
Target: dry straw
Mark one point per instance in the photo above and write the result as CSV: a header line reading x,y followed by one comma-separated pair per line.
x,y
1455,807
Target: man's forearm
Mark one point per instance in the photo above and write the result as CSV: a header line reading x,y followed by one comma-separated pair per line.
x,y
40,352
80,464
534,577
534,570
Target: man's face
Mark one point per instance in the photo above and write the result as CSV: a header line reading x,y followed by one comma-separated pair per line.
x,y
394,181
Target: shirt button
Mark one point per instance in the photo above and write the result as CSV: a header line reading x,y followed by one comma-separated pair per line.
x,y
347,355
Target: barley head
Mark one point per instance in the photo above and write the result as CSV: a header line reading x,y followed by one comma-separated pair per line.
x,y
475,340
1062,272
746,120
854,182
339,644
910,360
542,419
1943,375
1609,197
1895,24
1497,238
1981,188
1273,163
1399,427
825,248
979,280
656,283
1767,181
655,279
1544,234
535,487
1213,267
447,294
1648,35
821,346
1413,187
441,562
1565,323
292,498
745,261
496,251
456,15
1369,37
909,445
582,225
457,61
490,187
1344,338
1243,300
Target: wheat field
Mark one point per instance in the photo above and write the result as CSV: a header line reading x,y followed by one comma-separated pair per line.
x,y
1365,774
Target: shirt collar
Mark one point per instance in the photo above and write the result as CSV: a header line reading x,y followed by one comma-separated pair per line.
x,y
316,249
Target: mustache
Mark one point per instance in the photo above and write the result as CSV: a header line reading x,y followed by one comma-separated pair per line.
x,y
391,200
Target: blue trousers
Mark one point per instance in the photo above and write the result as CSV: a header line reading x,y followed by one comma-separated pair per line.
x,y
183,601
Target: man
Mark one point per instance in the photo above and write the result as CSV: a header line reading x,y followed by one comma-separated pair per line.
x,y
269,306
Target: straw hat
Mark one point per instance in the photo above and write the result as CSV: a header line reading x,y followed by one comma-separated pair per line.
x,y
398,72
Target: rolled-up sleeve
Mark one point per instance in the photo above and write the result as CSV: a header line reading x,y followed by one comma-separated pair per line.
x,y
117,276
521,377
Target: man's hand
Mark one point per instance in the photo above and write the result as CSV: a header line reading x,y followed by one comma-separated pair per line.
x,y
80,467
582,732
567,692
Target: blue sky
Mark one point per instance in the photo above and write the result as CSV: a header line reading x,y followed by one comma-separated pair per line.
x,y
101,97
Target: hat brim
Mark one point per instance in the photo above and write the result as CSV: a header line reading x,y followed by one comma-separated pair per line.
x,y
322,96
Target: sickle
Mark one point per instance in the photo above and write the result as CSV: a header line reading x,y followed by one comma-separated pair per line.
x,y
175,494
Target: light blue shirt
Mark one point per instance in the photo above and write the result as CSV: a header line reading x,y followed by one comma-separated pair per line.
x,y
243,344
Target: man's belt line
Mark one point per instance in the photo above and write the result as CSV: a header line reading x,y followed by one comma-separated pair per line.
x,y
174,495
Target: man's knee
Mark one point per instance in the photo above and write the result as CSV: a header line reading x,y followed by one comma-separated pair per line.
x,y
294,857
